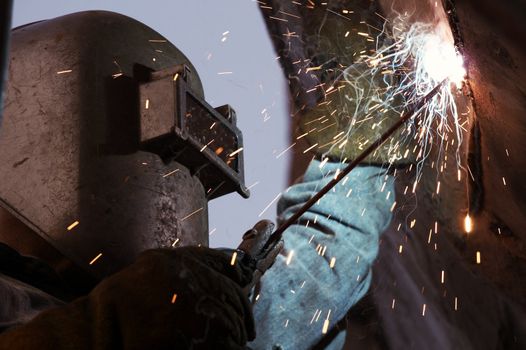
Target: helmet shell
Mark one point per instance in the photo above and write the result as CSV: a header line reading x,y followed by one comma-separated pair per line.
x,y
70,163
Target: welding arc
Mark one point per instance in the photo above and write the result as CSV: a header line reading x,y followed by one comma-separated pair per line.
x,y
276,235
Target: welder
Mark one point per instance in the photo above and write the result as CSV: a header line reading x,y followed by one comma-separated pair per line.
x,y
325,267
109,154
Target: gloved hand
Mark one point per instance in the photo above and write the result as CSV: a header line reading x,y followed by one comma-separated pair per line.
x,y
182,298
258,254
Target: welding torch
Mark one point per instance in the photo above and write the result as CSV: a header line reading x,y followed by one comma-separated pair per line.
x,y
260,246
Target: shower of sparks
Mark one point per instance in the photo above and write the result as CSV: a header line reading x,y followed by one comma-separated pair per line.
x,y
409,61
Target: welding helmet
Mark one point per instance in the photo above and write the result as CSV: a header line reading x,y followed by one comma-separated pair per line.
x,y
107,146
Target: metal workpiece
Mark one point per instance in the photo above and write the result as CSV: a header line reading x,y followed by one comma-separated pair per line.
x,y
72,163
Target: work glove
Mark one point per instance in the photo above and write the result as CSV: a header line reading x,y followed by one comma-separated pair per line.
x,y
184,298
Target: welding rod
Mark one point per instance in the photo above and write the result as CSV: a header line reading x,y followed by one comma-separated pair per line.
x,y
276,235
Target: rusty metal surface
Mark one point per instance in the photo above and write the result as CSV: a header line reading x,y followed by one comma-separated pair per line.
x,y
69,142
493,36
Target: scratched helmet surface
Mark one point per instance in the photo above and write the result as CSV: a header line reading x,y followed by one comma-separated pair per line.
x,y
99,147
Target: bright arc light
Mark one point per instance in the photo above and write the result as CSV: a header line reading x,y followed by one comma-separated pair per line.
x,y
441,61
468,224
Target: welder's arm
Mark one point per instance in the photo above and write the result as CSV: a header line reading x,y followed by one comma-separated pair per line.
x,y
182,298
325,266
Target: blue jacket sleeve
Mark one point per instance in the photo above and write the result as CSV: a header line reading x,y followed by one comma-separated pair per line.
x,y
325,266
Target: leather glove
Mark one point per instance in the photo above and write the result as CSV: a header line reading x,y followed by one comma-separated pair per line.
x,y
184,298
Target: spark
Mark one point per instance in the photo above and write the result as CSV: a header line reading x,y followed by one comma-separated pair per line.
x,y
234,257
285,150
468,224
268,206
65,71
310,148
174,298
253,185
409,62
95,259
205,146
170,173
236,152
192,213
73,225
478,257
289,257
326,323
314,316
